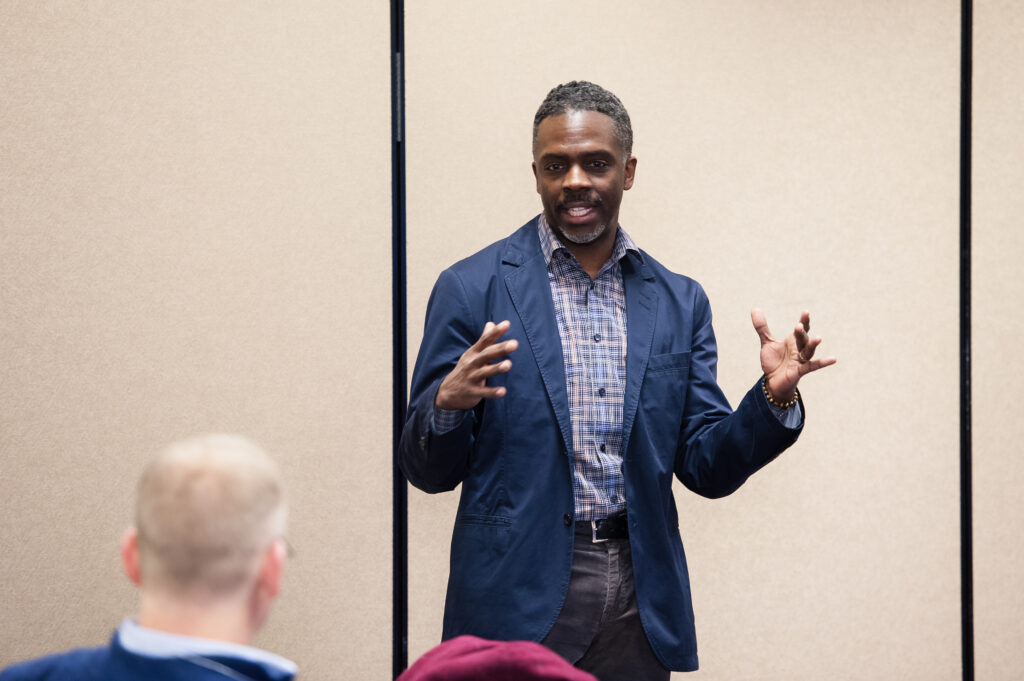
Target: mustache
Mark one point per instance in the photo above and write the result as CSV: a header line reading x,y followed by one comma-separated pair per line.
x,y
589,199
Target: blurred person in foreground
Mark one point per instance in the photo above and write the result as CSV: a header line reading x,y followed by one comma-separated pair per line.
x,y
468,658
207,552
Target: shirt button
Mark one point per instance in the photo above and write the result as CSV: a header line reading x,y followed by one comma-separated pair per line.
x,y
567,519
600,392
597,338
602,447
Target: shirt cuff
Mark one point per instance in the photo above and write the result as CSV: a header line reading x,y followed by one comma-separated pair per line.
x,y
791,418
446,420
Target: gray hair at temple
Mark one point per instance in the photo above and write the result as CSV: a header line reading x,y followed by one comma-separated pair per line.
x,y
207,510
581,95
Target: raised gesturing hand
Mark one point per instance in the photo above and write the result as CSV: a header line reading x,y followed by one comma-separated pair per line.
x,y
785,361
466,385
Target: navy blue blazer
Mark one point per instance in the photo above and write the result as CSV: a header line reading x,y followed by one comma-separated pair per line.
x,y
117,663
511,553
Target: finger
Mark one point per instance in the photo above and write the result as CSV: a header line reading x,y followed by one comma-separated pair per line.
x,y
760,325
808,350
488,370
497,351
816,364
805,320
486,392
492,332
800,336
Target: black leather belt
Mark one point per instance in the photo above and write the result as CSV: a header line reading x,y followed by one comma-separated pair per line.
x,y
615,527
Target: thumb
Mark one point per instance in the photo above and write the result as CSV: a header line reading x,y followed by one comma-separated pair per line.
x,y
760,325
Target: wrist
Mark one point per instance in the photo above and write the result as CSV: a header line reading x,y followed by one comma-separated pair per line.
x,y
442,399
783,401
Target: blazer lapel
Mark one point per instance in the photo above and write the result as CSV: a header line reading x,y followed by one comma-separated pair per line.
x,y
527,284
641,309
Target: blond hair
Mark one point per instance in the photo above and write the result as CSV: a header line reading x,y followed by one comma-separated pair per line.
x,y
207,509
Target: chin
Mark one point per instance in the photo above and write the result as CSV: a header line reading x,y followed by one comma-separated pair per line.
x,y
582,237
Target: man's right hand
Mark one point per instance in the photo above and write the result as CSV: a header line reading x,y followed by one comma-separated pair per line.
x,y
466,385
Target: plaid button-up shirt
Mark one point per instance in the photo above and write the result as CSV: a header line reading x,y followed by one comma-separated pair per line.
x,y
591,317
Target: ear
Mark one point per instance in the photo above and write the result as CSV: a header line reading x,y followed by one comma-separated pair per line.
x,y
267,585
130,555
630,172
268,581
535,176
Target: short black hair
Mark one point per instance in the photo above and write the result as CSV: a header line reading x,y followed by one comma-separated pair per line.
x,y
581,95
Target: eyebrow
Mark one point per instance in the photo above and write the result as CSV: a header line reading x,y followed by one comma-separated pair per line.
x,y
596,153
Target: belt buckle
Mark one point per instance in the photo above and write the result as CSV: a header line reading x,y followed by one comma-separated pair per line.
x,y
593,533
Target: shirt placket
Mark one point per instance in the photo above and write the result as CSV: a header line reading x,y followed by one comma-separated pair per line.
x,y
585,467
603,339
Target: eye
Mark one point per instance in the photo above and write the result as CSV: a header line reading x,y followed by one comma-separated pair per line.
x,y
598,164
554,167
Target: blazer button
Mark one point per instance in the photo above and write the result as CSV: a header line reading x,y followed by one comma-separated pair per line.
x,y
568,519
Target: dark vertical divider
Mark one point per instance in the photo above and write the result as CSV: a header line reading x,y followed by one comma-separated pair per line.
x,y
966,535
399,372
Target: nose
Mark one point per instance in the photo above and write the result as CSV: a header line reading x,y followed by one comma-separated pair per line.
x,y
576,178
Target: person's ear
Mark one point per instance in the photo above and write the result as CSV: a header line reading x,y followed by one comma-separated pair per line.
x,y
267,584
269,579
130,555
630,172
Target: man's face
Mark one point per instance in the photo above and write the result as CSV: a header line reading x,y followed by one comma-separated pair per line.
x,y
581,172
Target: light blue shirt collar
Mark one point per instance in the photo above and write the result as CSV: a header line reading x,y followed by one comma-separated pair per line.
x,y
152,643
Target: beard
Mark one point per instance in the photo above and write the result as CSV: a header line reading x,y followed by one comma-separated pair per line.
x,y
582,238
580,235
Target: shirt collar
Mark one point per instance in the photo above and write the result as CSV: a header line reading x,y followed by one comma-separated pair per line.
x,y
152,643
550,243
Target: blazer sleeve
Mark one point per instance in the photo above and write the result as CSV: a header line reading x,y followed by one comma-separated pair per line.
x,y
720,448
431,462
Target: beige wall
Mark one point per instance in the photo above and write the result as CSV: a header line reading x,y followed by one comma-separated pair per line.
x,y
191,194
791,155
998,289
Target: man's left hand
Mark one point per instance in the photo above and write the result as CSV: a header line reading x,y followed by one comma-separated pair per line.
x,y
785,361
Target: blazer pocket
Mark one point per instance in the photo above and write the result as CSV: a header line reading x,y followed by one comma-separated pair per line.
x,y
668,362
662,401
476,519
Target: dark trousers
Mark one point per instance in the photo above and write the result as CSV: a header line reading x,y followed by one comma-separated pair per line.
x,y
599,628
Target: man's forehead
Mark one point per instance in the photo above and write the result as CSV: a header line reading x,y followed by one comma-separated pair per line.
x,y
578,129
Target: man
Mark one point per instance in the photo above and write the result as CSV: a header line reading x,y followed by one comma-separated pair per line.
x,y
206,553
566,531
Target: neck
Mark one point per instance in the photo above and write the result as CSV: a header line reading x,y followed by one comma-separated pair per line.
x,y
590,260
594,255
224,619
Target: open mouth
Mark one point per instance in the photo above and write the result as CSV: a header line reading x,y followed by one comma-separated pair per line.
x,y
578,211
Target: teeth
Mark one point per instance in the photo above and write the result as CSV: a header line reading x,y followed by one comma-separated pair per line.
x,y
576,212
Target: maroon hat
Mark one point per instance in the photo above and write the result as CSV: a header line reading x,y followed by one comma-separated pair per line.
x,y
468,658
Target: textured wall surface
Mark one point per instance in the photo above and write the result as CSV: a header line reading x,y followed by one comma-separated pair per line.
x,y
998,368
194,206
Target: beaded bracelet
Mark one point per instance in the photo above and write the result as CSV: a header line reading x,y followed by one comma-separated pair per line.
x,y
774,402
